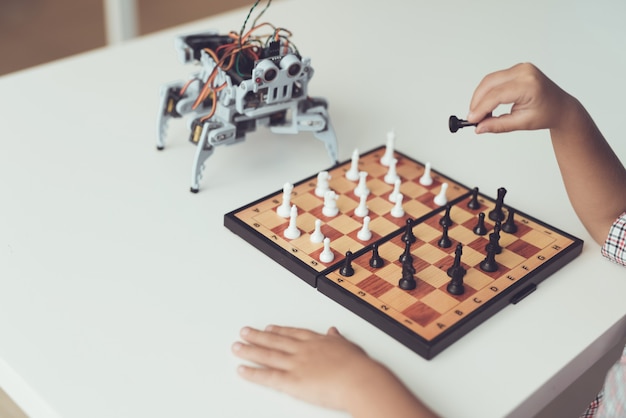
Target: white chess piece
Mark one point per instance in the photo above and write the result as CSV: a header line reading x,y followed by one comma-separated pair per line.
x,y
365,234
386,158
362,210
441,199
317,235
292,231
326,256
396,190
284,210
426,179
392,175
398,211
330,204
361,187
353,173
322,185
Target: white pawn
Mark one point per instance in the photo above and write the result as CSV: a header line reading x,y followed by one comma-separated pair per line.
x,y
326,256
441,199
362,209
426,179
330,204
317,235
284,210
392,175
361,188
365,234
292,231
386,158
398,211
322,183
353,173
396,191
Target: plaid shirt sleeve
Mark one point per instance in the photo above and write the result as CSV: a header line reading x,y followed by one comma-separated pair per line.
x,y
611,401
614,402
614,247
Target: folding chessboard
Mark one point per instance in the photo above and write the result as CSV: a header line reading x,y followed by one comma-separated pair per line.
x,y
428,318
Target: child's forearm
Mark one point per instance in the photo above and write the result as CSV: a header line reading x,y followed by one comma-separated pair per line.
x,y
379,393
594,177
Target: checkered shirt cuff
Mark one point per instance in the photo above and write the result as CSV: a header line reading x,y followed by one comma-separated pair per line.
x,y
614,247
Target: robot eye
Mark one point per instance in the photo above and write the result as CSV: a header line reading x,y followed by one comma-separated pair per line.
x,y
294,69
270,74
291,64
266,70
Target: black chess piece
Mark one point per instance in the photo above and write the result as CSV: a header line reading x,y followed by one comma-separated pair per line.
x,y
376,261
494,239
455,287
474,204
497,214
481,228
509,225
446,220
454,123
406,255
489,264
457,261
347,269
445,241
408,232
408,282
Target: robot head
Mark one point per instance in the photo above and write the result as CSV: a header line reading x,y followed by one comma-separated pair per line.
x,y
281,78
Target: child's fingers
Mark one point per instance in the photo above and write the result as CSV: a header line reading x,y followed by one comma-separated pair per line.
x,y
268,339
291,332
487,84
272,378
498,124
262,356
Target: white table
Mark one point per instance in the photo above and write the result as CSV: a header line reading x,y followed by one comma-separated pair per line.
x,y
120,291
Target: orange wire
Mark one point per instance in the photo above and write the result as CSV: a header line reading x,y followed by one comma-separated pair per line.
x,y
187,84
204,93
241,44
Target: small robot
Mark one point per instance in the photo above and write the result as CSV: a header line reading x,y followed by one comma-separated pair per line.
x,y
244,82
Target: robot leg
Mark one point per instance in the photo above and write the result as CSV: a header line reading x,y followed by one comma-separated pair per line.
x,y
327,133
203,152
169,97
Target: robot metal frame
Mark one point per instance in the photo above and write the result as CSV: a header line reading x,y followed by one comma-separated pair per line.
x,y
233,95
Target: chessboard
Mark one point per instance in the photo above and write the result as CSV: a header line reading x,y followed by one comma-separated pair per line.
x,y
359,231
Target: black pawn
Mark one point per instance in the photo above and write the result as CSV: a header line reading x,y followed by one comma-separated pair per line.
x,y
489,264
509,226
376,261
454,123
408,232
495,239
497,214
408,282
474,204
480,228
457,261
347,269
455,287
446,220
406,256
444,241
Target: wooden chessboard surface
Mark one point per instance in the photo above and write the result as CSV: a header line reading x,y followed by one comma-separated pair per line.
x,y
427,319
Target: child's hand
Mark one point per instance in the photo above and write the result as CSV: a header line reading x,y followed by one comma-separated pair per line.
x,y
313,367
538,103
326,370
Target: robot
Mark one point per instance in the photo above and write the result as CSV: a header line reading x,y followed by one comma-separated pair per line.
x,y
245,82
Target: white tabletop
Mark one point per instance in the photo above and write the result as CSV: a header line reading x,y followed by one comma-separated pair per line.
x,y
121,292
